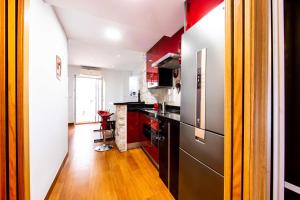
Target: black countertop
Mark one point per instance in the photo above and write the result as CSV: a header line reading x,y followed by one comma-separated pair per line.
x,y
134,106
129,103
156,114
172,112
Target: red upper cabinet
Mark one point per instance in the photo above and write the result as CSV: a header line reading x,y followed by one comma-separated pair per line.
x,y
196,9
162,47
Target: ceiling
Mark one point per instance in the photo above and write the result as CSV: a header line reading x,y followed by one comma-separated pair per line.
x,y
140,23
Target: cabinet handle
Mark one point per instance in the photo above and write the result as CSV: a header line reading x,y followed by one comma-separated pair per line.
x,y
160,138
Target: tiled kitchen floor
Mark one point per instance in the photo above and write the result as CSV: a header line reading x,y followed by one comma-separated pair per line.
x,y
106,175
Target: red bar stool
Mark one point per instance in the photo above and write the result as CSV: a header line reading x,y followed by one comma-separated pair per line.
x,y
107,126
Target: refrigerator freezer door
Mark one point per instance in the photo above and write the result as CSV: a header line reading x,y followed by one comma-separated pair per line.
x,y
205,146
197,181
206,39
188,79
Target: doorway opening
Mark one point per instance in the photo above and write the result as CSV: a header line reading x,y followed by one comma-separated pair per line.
x,y
88,99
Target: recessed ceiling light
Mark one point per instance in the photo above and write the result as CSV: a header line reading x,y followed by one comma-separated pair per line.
x,y
113,34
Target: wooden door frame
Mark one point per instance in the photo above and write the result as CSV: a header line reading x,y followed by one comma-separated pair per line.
x,y
247,99
23,99
14,136
3,160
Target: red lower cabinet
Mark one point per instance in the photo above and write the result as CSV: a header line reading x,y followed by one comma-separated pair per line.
x,y
133,127
151,149
149,129
154,153
144,129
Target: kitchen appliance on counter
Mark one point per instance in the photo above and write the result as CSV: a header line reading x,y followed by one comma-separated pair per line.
x,y
201,159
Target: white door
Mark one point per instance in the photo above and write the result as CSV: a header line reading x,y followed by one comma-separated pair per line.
x,y
88,99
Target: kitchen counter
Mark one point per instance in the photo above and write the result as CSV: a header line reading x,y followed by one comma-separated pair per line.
x,y
134,106
132,103
148,109
172,112
155,114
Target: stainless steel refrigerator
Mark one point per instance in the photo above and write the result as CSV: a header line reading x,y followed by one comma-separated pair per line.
x,y
201,159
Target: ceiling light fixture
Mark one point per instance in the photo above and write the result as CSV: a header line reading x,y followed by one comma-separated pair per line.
x,y
113,34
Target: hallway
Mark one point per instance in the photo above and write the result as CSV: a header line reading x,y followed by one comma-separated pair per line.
x,y
107,175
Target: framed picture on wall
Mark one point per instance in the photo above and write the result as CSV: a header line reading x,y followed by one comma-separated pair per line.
x,y
58,67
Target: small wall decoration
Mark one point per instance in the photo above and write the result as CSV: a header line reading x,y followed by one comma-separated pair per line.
x,y
177,77
58,67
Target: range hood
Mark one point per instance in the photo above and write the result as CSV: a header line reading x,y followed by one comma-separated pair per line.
x,y
169,61
164,79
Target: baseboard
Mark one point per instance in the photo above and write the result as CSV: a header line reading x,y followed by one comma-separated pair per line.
x,y
134,145
56,177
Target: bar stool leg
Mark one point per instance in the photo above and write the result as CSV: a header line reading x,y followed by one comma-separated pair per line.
x,y
103,147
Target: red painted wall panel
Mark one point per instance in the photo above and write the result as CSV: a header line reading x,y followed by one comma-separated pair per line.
x,y
163,46
196,9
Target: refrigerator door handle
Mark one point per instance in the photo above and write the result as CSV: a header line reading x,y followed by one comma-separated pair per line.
x,y
200,101
200,135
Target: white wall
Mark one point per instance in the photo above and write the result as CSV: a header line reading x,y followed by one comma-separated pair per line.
x,y
48,106
116,87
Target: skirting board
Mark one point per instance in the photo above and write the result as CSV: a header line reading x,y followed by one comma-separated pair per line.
x,y
133,145
56,177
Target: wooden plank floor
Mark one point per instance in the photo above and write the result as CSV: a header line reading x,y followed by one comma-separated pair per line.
x,y
106,175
